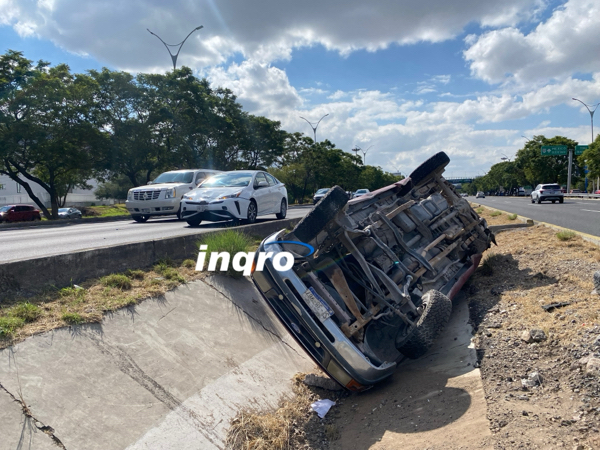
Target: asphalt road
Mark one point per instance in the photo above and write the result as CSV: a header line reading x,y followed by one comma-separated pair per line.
x,y
35,242
576,214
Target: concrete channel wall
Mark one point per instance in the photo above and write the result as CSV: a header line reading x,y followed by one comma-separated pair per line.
x,y
33,275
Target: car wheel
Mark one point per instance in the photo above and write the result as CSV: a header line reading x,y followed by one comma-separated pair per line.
x,y
553,202
282,210
179,212
561,200
532,199
252,212
429,167
193,222
539,200
436,315
312,224
141,219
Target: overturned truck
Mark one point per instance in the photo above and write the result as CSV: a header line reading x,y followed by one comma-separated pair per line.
x,y
374,277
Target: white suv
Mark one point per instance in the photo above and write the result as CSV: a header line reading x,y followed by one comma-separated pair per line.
x,y
547,192
162,196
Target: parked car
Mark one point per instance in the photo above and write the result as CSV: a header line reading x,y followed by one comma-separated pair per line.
x,y
547,192
19,213
373,278
480,195
237,195
69,213
360,193
597,192
162,196
320,194
575,191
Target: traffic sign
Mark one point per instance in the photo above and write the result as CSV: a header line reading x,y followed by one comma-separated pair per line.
x,y
579,149
554,150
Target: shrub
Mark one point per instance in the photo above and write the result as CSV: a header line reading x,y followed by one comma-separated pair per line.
x,y
512,216
230,241
135,274
25,311
496,213
189,263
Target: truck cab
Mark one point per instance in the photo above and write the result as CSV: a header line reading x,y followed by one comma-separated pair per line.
x,y
162,196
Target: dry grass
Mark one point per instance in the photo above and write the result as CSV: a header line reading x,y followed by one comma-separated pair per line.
x,y
493,216
273,430
531,268
56,308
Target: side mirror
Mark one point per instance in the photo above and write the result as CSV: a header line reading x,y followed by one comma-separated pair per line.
x,y
150,182
262,184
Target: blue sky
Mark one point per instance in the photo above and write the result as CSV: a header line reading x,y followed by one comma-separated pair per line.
x,y
405,78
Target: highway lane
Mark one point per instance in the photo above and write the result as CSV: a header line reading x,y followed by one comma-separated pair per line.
x,y
35,242
576,214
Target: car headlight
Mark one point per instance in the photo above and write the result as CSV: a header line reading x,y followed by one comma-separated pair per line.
x,y
236,195
188,197
130,194
171,193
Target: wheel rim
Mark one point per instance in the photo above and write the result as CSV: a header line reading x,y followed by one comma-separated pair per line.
x,y
252,212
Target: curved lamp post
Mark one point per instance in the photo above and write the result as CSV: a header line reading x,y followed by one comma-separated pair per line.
x,y
591,114
174,56
314,128
504,157
364,152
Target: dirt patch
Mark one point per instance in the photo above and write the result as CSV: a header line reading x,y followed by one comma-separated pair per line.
x,y
559,407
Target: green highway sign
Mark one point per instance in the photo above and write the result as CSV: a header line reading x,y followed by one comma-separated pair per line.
x,y
579,149
554,150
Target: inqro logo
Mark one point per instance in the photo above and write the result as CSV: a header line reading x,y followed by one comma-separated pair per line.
x,y
244,261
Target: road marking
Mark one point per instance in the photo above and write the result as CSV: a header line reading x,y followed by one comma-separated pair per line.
x,y
590,210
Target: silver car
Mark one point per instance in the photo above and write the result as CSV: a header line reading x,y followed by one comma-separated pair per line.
x,y
547,192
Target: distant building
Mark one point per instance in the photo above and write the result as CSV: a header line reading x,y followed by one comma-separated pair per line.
x,y
12,192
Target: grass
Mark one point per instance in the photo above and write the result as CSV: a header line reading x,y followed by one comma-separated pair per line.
x,y
229,241
105,211
512,216
479,210
72,305
565,235
272,430
495,213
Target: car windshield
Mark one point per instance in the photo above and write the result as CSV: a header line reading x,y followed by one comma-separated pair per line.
x,y
63,210
551,186
362,191
4,208
322,191
232,179
174,177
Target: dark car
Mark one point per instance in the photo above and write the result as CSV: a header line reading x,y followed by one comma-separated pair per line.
x,y
69,213
373,278
19,213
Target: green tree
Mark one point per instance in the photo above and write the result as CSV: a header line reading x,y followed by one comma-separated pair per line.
x,y
591,158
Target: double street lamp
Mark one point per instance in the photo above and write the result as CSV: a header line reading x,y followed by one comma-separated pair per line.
x,y
364,152
591,111
314,127
174,56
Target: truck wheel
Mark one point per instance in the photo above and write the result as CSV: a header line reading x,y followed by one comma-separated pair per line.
x,y
438,309
429,167
141,219
325,210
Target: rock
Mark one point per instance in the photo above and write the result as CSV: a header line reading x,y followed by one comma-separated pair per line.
x,y
534,379
321,382
533,335
597,281
593,366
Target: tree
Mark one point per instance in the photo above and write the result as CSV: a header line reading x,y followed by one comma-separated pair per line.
x,y
48,129
591,158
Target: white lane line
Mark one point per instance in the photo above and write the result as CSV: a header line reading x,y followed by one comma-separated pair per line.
x,y
590,210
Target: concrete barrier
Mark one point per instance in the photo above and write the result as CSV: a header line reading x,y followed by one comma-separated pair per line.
x,y
24,278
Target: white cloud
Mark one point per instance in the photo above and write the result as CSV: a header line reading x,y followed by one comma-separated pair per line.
x,y
114,31
566,43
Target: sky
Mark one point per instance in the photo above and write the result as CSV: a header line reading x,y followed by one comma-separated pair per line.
x,y
400,79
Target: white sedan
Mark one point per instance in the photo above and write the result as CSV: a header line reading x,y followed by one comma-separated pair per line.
x,y
236,195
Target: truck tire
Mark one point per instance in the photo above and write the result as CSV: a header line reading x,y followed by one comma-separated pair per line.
x,y
323,212
428,168
438,309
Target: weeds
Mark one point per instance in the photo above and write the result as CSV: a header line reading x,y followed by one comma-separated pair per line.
x,y
25,311
565,235
479,211
496,214
230,241
117,280
486,268
72,318
512,216
9,324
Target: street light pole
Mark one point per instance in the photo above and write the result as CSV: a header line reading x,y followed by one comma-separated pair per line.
x,y
174,56
364,152
314,128
504,157
591,114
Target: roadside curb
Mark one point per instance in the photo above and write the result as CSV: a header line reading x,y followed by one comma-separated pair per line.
x,y
586,237
26,277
